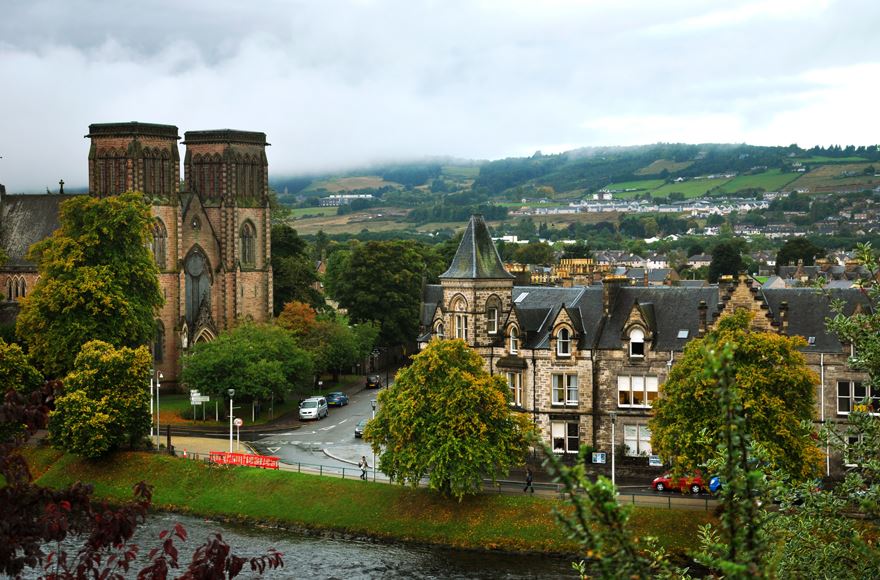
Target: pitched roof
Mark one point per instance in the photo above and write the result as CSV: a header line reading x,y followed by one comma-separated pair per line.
x,y
25,220
477,257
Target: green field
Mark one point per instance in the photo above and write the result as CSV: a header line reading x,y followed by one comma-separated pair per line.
x,y
661,164
338,184
824,159
691,188
771,180
303,212
485,521
640,185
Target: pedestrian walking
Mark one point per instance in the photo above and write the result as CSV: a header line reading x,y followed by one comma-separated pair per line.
x,y
363,465
529,478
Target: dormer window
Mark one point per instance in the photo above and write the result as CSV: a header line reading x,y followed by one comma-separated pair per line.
x,y
563,342
513,346
492,320
637,343
439,331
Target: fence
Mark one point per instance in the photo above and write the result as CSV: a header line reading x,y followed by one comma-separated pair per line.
x,y
661,500
246,459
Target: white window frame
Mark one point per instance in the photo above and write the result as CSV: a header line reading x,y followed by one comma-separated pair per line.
x,y
565,436
636,336
514,383
637,439
492,320
857,392
563,345
461,326
513,340
648,386
564,390
440,331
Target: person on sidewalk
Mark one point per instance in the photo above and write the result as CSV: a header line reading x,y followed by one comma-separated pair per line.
x,y
363,465
529,478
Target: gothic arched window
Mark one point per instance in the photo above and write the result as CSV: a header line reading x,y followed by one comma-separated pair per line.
x,y
248,244
160,243
563,342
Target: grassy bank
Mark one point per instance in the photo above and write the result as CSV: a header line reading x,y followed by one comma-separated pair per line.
x,y
514,523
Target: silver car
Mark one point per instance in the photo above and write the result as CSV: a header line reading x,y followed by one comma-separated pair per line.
x,y
359,428
313,408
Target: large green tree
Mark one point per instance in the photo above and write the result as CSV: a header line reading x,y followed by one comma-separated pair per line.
x,y
777,391
16,371
798,249
98,280
293,273
446,418
726,260
104,403
382,281
258,361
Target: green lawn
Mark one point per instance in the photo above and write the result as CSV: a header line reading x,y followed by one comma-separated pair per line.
x,y
302,212
640,185
690,188
507,522
771,180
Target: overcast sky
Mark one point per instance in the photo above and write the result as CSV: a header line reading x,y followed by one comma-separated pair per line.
x,y
342,83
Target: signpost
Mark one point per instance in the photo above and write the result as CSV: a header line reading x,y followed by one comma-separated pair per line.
x,y
238,423
196,398
598,457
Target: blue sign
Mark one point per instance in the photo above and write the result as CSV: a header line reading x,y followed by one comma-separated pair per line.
x,y
598,457
654,461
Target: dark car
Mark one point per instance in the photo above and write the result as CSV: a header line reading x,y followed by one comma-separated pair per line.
x,y
359,428
336,399
374,382
691,483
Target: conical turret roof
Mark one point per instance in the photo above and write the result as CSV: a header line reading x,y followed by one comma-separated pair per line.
x,y
477,257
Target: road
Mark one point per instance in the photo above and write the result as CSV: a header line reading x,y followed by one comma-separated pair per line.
x,y
329,441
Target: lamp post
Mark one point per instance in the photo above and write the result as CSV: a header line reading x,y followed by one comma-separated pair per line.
x,y
159,375
373,405
613,421
231,394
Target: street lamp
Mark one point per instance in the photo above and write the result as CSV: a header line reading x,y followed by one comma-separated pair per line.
x,y
159,375
613,421
231,394
373,405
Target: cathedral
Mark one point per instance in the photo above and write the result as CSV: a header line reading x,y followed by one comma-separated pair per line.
x,y
211,234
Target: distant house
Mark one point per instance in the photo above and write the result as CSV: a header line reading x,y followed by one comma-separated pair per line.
x,y
700,260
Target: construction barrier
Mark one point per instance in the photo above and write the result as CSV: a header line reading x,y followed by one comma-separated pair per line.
x,y
246,459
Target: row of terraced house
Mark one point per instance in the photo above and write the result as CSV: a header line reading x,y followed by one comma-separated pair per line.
x,y
574,357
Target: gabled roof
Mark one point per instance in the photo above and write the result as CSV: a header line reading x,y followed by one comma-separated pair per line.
x,y
24,220
477,257
808,310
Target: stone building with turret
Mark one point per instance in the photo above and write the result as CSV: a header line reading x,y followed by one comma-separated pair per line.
x,y
211,234
576,358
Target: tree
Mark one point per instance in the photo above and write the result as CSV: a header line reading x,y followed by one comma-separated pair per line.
x,y
382,281
446,418
535,253
726,260
260,362
777,395
293,273
797,249
98,280
579,249
16,371
104,403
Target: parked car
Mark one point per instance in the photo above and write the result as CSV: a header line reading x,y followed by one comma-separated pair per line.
x,y
336,399
374,382
692,483
359,428
313,408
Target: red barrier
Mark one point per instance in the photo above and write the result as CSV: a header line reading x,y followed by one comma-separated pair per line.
x,y
246,459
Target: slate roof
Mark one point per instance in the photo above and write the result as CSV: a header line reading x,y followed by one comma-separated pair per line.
x,y
808,309
24,220
477,257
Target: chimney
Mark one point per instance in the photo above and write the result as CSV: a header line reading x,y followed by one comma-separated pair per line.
x,y
611,286
783,317
703,308
646,277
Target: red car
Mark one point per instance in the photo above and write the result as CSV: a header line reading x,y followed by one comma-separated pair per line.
x,y
692,483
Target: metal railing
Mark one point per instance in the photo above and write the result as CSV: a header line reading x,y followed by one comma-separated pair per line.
x,y
660,500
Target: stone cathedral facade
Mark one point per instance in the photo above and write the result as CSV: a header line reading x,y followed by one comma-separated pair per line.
x,y
211,234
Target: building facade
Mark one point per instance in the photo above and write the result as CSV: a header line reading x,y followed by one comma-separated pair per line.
x,y
211,232
576,357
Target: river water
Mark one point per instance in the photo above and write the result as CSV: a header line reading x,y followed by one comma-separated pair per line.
x,y
310,556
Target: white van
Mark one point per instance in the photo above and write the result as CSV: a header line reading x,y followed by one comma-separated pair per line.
x,y
313,408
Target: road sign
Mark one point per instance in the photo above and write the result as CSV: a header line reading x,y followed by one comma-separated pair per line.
x,y
654,461
194,393
199,399
598,457
238,422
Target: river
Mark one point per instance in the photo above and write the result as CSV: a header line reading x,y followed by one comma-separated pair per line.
x,y
310,556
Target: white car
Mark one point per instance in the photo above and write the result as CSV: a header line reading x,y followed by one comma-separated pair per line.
x,y
313,408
